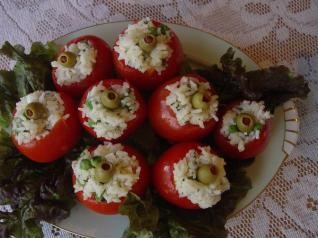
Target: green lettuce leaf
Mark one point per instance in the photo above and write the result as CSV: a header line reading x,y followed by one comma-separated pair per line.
x,y
274,85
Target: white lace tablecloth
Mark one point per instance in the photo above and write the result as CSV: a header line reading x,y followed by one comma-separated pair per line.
x,y
270,31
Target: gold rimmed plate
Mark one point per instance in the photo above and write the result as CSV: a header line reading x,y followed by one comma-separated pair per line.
x,y
206,49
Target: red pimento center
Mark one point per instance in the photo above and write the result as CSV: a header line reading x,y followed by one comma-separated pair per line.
x,y
149,39
214,170
246,121
106,166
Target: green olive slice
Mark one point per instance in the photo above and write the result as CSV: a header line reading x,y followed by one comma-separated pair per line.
x,y
207,174
67,59
148,42
201,100
35,110
103,172
245,122
110,99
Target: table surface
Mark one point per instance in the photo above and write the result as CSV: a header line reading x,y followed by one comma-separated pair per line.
x,y
271,32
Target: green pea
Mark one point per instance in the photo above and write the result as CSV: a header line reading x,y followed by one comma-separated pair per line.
x,y
110,99
206,174
148,42
35,110
67,59
200,100
245,122
103,172
86,164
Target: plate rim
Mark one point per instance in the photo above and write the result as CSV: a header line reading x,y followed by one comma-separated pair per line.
x,y
287,106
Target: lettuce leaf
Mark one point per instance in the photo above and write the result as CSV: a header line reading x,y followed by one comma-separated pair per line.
x,y
274,85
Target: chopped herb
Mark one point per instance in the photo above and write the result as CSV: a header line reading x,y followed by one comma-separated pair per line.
x,y
100,197
153,31
257,126
91,123
233,128
89,104
86,164
163,28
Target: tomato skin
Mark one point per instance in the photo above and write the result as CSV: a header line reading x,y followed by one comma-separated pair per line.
x,y
62,138
151,79
252,148
103,67
163,119
132,125
163,180
138,188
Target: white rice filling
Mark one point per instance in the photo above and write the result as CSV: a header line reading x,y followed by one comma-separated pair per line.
x,y
106,123
85,60
179,100
129,50
185,175
27,130
126,171
238,138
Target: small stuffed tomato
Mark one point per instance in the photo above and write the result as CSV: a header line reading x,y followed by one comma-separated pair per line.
x,y
45,125
147,53
81,63
184,108
190,175
103,176
111,110
243,130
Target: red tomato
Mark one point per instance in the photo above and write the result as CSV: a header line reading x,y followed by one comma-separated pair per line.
x,y
163,179
61,139
252,148
102,68
164,121
132,125
151,79
138,188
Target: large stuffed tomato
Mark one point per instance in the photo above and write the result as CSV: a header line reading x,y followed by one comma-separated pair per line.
x,y
163,112
102,174
115,108
102,65
152,48
190,175
58,140
243,123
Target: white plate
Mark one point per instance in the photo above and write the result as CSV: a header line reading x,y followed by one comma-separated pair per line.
x,y
207,49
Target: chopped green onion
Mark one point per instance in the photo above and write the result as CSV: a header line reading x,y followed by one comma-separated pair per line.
x,y
153,31
163,28
233,128
86,164
91,123
99,198
89,104
257,126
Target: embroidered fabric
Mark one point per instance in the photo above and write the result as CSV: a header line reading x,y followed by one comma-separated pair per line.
x,y
270,31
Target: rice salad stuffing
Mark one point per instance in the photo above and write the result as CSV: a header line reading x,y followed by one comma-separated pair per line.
x,y
257,110
27,130
107,123
185,178
129,49
179,101
85,60
126,171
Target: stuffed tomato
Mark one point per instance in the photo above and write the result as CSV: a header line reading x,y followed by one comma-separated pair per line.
x,y
190,175
147,53
244,129
184,108
103,176
45,125
81,63
111,110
